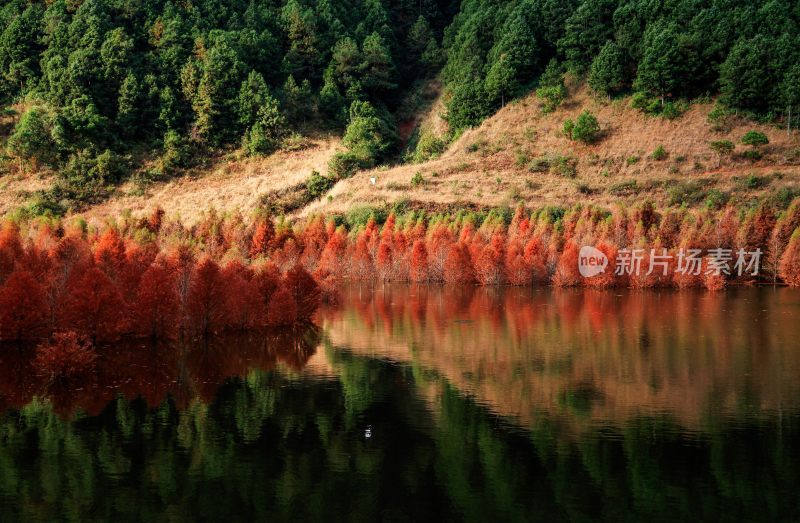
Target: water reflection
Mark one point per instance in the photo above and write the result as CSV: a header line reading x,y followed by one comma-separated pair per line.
x,y
428,403
184,370
595,356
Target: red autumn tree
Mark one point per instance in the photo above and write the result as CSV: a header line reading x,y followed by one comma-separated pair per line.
x,y
518,270
362,267
207,298
536,258
155,220
181,262
606,278
567,273
441,238
332,261
244,307
10,249
457,267
314,240
305,291
64,357
24,311
109,253
266,279
419,262
781,234
489,263
94,307
384,261
712,280
156,310
262,238
137,260
789,267
756,229
282,309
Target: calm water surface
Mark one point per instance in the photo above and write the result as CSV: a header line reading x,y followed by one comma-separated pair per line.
x,y
429,403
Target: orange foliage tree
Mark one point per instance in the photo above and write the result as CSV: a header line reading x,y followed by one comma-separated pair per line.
x,y
282,309
24,310
789,268
304,290
94,307
567,274
156,311
457,267
206,306
419,262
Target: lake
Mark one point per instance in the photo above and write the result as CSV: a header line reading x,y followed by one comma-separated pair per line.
x,y
414,403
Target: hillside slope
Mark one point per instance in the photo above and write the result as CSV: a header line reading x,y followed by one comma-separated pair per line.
x,y
519,154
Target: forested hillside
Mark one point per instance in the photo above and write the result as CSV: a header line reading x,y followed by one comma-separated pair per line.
x,y
100,91
748,52
105,82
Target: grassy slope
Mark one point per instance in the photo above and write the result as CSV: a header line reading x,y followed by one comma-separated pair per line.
x,y
486,166
483,167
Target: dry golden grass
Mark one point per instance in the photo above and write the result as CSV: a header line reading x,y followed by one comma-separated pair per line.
x,y
227,186
489,165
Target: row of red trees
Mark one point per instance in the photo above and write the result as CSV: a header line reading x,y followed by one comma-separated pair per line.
x,y
108,285
156,278
542,247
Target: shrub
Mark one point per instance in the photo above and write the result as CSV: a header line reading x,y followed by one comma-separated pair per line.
x,y
266,133
783,197
645,103
659,154
539,165
722,147
755,139
568,127
317,185
371,134
719,118
551,97
418,179
86,176
586,128
176,151
687,193
32,138
752,154
715,199
626,188
428,147
631,160
670,111
751,182
44,203
565,166
344,165
359,216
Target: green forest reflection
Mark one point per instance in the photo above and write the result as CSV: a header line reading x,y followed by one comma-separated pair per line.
x,y
300,426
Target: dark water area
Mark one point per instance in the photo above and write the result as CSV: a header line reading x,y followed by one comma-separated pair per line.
x,y
410,403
